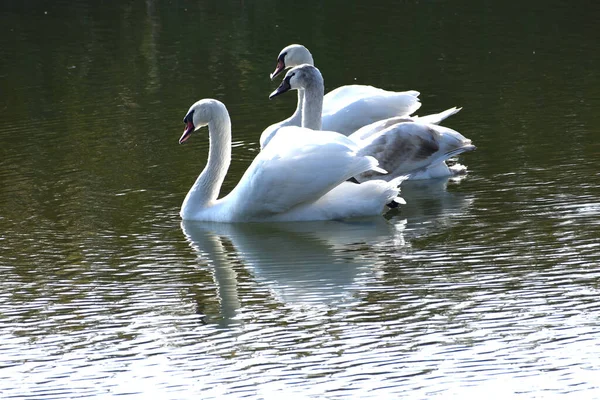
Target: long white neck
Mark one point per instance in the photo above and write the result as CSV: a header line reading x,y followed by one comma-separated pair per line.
x,y
296,118
208,184
312,106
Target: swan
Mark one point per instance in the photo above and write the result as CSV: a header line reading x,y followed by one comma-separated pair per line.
x,y
349,107
412,146
300,176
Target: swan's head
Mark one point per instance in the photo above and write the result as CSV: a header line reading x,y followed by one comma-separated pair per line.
x,y
300,77
292,56
199,115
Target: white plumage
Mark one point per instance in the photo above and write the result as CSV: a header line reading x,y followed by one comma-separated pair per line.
x,y
301,175
412,146
346,108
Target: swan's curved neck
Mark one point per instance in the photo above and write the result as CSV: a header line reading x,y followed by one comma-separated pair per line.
x,y
296,118
312,104
208,184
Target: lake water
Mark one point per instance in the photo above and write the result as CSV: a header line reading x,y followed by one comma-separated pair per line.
x,y
485,286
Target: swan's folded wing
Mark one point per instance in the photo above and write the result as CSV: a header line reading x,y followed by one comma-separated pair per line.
x,y
346,114
374,129
408,146
299,165
367,133
270,131
437,118
344,95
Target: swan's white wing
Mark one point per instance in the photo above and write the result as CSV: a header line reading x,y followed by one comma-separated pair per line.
x,y
349,93
270,131
368,133
349,108
437,118
407,147
376,127
299,165
267,134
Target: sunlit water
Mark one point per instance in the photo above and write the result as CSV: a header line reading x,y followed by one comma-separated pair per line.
x,y
485,286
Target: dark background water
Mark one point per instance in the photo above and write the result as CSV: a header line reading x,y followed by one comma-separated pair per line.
x,y
485,285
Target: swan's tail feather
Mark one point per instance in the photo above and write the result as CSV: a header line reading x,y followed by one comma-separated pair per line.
x,y
363,164
439,117
398,180
460,150
395,183
396,202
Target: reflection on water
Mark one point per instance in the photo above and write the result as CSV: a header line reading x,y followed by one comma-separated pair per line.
x,y
311,308
301,263
431,207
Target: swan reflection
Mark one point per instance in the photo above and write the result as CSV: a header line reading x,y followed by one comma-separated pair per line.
x,y
321,262
304,263
431,208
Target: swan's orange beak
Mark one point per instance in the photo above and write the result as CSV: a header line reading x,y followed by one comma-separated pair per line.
x,y
280,67
187,132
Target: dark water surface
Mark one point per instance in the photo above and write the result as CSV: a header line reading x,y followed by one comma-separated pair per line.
x,y
487,286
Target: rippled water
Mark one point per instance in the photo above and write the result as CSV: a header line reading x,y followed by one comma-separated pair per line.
x,y
485,286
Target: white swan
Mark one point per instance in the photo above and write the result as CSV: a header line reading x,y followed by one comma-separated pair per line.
x,y
300,176
402,145
349,107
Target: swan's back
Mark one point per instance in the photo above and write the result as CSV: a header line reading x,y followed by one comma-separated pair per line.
x,y
297,168
377,127
411,147
271,130
349,93
351,107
